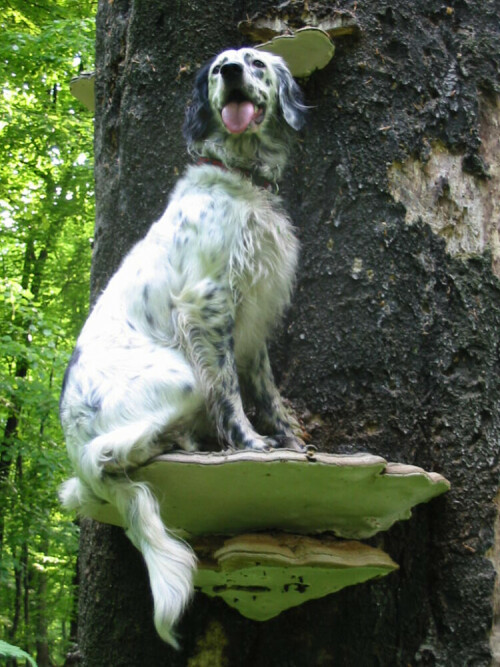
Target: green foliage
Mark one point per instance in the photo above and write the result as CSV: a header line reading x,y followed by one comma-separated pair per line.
x,y
10,651
46,225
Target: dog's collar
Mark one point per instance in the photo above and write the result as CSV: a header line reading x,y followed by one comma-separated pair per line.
x,y
255,178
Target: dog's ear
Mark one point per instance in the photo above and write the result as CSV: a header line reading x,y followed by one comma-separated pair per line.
x,y
290,98
199,115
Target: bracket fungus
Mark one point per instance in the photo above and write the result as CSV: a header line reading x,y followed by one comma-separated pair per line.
x,y
302,37
353,496
82,87
261,575
304,51
208,497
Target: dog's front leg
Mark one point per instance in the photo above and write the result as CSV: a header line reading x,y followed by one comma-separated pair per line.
x,y
272,416
205,325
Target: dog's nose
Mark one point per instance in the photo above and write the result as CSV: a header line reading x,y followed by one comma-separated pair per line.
x,y
232,72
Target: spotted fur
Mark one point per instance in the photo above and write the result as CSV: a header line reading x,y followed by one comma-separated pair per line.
x,y
177,341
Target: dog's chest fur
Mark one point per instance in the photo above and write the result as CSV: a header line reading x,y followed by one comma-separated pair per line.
x,y
218,232
219,227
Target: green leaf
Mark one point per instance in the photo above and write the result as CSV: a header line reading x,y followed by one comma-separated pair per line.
x,y
10,651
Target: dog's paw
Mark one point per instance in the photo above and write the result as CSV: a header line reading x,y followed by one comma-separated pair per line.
x,y
264,444
290,442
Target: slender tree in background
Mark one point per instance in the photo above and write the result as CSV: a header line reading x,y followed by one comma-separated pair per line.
x,y
391,345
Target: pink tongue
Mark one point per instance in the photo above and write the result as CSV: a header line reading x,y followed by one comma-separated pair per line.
x,y
237,116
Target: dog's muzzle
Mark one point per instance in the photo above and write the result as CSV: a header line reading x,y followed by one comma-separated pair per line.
x,y
239,112
232,73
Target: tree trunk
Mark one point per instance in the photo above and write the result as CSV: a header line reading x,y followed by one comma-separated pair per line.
x,y
42,614
391,345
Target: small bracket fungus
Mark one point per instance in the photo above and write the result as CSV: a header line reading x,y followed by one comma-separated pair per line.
x,y
305,51
261,575
303,39
203,495
82,87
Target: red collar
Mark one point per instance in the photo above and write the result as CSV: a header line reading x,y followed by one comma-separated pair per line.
x,y
256,180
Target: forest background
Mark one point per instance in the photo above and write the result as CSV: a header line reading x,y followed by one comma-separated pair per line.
x,y
46,227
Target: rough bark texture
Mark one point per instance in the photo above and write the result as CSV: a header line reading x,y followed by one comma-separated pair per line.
x,y
392,343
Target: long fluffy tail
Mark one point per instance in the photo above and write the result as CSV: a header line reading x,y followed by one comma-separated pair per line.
x,y
170,562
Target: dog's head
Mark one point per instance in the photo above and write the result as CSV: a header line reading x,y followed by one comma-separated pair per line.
x,y
243,103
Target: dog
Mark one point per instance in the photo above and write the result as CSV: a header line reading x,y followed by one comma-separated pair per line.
x,y
174,350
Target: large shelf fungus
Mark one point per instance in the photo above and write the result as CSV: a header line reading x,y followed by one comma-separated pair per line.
x,y
353,496
229,505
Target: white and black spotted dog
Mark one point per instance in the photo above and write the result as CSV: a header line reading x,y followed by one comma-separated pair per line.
x,y
176,345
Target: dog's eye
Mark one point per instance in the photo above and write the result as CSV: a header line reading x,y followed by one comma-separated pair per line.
x,y
216,69
259,64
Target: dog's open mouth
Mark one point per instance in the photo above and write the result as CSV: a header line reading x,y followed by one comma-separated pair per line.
x,y
240,113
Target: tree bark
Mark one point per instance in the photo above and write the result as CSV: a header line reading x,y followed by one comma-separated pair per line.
x,y
391,345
